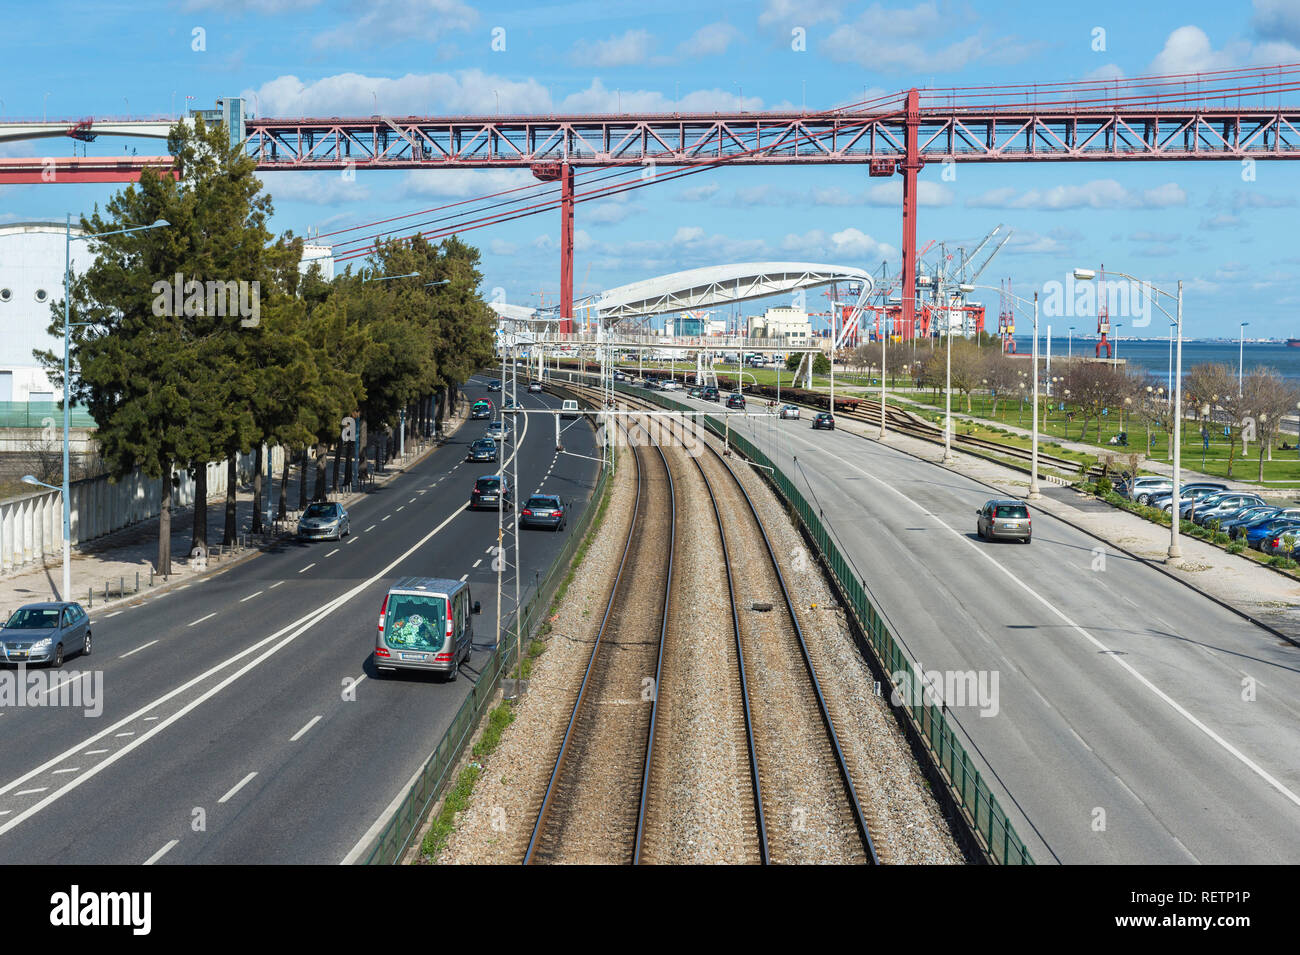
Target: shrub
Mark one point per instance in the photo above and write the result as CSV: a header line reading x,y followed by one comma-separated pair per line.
x,y
1104,485
1237,546
1282,561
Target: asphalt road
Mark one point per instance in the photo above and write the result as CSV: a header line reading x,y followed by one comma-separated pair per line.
x,y
1134,720
242,720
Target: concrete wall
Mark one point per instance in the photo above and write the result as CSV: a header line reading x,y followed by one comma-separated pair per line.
x,y
31,526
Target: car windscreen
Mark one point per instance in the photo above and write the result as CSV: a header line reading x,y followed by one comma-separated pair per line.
x,y
319,510
34,618
488,484
415,622
1014,512
542,502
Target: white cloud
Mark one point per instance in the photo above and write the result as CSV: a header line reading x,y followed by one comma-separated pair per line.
x,y
794,13
847,243
384,20
501,247
687,234
463,183
1107,71
597,98
699,193
269,7
711,40
322,188
1188,50
1277,18
355,94
1097,194
1221,221
885,39
891,193
632,47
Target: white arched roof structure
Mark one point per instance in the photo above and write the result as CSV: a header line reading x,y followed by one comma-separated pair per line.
x,y
717,285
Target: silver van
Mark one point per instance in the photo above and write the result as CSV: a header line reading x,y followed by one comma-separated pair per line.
x,y
425,624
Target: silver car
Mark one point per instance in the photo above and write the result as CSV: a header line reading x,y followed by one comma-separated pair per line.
x,y
498,430
324,521
1000,518
45,633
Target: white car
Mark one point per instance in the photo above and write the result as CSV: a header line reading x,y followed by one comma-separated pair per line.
x,y
535,386
790,411
498,430
672,385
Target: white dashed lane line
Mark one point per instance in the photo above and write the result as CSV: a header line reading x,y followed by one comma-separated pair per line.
x,y
352,540
370,528
201,619
384,518
113,614
94,752
137,649
307,568
333,552
302,732
69,769
250,597
464,577
479,561
274,585
236,788
161,852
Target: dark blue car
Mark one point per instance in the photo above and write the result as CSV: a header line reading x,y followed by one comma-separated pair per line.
x,y
1256,535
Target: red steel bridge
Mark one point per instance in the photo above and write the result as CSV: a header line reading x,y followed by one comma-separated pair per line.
x,y
1230,115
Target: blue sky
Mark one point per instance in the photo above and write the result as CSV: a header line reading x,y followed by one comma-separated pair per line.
x,y
1229,240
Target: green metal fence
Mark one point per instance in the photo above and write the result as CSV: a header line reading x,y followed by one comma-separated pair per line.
x,y
39,414
980,806
393,841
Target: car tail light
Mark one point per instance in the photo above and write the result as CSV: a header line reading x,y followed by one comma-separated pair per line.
x,y
449,618
559,512
527,512
381,652
383,610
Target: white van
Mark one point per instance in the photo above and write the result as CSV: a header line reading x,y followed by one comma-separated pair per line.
x,y
569,408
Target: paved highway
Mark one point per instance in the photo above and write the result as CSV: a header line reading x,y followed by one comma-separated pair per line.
x,y
1121,726
242,718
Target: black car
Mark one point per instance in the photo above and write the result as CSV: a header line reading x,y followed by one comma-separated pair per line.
x,y
480,409
544,510
484,449
825,420
710,393
736,401
486,492
494,385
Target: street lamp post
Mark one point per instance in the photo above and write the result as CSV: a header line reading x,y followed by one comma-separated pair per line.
x,y
1241,354
1175,552
1069,350
69,238
1118,326
947,399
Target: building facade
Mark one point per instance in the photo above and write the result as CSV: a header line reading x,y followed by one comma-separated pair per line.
x,y
788,325
32,256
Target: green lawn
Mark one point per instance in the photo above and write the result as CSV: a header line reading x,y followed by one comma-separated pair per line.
x,y
1283,470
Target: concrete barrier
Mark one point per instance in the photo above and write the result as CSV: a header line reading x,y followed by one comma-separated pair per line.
x,y
31,527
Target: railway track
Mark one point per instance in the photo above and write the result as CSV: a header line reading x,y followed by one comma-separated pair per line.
x,y
593,808
805,805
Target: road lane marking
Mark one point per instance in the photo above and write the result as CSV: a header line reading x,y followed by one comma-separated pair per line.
x,y
127,733
250,596
161,852
370,528
137,649
236,788
401,507
307,568
384,518
411,501
201,619
274,585
477,562
95,752
463,576
351,539
333,552
70,769
1117,660
298,735
285,636
31,792
113,614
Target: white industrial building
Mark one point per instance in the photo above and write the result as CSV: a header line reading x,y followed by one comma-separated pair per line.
x,y
789,325
322,255
31,278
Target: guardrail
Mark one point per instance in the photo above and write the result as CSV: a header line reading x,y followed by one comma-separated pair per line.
x,y
988,822
395,838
